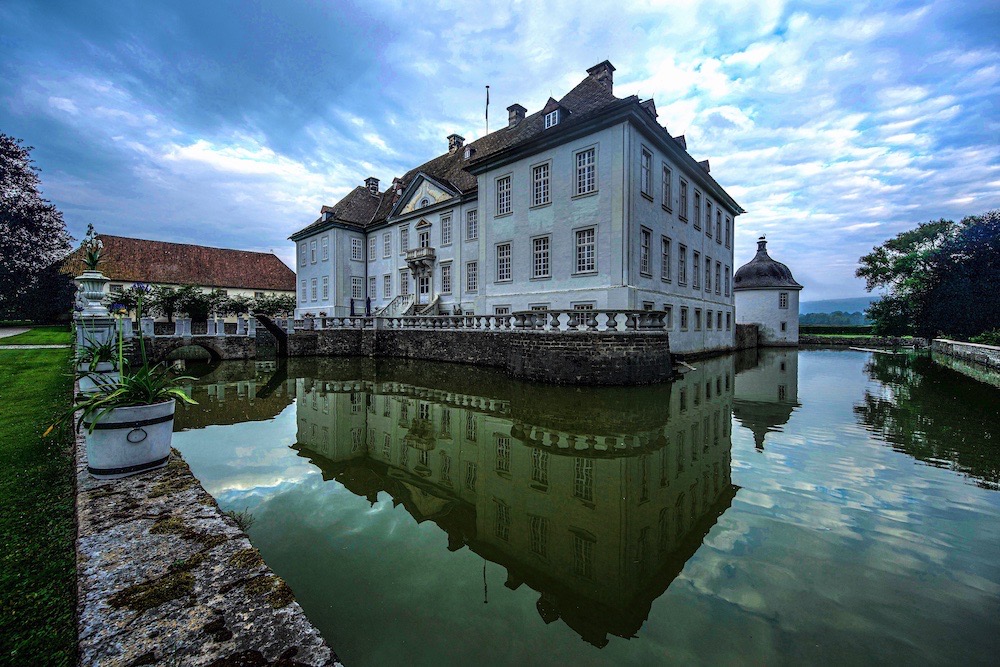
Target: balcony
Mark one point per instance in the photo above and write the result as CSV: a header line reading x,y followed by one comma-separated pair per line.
x,y
419,259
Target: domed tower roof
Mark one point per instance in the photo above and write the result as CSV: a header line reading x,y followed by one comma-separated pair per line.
x,y
762,272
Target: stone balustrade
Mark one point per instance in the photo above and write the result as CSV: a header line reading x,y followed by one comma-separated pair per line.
x,y
611,320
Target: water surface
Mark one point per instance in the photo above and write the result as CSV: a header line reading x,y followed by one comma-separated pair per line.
x,y
782,507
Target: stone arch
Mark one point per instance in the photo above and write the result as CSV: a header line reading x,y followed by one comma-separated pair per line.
x,y
178,343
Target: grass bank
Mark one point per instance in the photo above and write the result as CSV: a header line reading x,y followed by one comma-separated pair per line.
x,y
43,335
37,561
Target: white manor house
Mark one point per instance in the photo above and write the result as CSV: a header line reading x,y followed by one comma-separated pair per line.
x,y
588,203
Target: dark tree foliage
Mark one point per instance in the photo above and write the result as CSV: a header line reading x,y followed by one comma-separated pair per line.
x,y
32,230
940,278
48,300
836,318
274,305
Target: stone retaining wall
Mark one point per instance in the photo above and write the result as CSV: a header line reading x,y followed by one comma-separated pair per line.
x,y
747,337
165,578
559,357
863,341
981,362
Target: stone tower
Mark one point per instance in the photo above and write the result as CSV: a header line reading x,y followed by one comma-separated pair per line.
x,y
767,295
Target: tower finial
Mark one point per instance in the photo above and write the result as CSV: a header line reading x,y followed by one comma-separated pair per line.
x,y
761,244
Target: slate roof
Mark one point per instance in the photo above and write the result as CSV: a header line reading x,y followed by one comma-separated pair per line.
x,y
763,272
160,262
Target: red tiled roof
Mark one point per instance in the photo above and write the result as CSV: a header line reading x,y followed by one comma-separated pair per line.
x,y
160,262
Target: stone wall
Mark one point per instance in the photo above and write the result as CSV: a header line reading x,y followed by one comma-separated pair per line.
x,y
862,341
981,362
589,358
219,347
747,336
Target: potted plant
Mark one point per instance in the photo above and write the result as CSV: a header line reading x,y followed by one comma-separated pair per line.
x,y
92,281
130,422
96,366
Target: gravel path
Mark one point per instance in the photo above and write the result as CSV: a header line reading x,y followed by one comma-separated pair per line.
x,y
33,347
11,331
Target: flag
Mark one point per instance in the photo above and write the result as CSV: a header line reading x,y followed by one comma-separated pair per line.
x,y
487,102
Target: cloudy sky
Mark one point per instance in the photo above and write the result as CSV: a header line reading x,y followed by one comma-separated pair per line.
x,y
835,125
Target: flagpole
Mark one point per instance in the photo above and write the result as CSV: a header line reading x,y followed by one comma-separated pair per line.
x,y
487,109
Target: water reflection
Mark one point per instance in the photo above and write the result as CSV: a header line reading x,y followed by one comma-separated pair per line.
x,y
767,390
595,500
934,414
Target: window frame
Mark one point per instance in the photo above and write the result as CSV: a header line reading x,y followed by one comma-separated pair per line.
x,y
446,272
551,119
666,261
545,182
446,229
472,277
577,191
546,255
682,212
498,248
498,192
646,173
357,249
472,222
577,271
645,248
666,185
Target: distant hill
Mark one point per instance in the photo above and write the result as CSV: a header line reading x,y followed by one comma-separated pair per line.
x,y
832,305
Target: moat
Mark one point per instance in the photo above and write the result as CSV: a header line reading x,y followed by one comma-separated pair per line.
x,y
775,507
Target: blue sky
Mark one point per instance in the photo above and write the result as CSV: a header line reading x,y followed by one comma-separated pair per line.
x,y
835,125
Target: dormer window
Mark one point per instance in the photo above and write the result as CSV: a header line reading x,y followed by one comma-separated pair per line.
x,y
469,152
551,118
424,202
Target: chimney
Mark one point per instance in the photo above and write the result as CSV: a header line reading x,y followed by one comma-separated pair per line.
x,y
372,184
603,73
515,114
455,142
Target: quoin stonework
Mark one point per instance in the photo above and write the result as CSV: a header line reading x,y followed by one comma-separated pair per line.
x,y
588,203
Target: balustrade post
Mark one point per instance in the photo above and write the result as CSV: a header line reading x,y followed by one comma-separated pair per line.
x,y
210,327
252,327
631,321
146,327
591,322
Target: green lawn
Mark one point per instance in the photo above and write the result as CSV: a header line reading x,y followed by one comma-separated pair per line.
x,y
37,558
41,335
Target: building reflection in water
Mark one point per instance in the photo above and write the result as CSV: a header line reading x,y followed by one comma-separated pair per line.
x,y
594,498
767,390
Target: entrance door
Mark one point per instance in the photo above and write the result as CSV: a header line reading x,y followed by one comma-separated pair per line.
x,y
423,289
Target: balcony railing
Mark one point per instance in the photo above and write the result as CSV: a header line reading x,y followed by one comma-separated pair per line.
x,y
594,321
420,257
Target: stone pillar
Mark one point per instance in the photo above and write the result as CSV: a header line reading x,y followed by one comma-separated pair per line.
x,y
290,325
182,327
241,327
126,324
210,331
252,327
146,327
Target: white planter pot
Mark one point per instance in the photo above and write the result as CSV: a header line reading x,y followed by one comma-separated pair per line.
x,y
130,440
103,374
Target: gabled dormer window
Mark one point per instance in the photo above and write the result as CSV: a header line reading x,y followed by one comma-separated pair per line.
x,y
551,118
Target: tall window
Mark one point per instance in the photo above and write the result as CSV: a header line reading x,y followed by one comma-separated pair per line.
x,y
303,255
471,225
357,288
387,286
644,243
503,454
312,252
501,526
503,195
446,230
669,319
708,273
540,257
586,256
667,179
665,268
503,262
708,219
404,282
404,238
470,475
782,299
372,249
729,224
682,264
313,289
540,185
586,168
387,244
697,321
727,281
718,277
472,276
583,483
302,291
540,466
357,250
539,527
683,213
325,243
583,556
696,273
326,287
718,225
646,172
684,327
372,286
446,278
697,210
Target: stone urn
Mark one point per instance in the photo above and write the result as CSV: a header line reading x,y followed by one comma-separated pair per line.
x,y
129,440
92,284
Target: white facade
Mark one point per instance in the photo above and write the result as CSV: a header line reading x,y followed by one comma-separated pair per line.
x,y
588,219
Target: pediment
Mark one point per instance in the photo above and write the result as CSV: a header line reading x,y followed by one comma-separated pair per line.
x,y
422,192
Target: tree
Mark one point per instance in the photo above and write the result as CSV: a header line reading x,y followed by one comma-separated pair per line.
x,y
197,303
942,277
163,301
235,305
271,305
32,230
